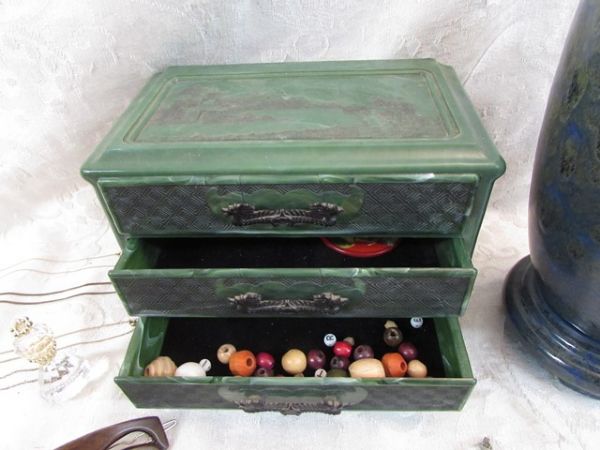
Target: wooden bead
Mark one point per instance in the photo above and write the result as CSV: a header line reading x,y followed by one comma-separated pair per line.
x,y
265,360
294,361
316,359
350,340
392,336
242,363
339,362
363,351
394,365
190,369
417,369
163,366
263,372
224,353
390,324
408,351
343,349
367,368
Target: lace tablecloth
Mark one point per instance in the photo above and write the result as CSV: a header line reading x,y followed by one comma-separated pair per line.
x,y
68,69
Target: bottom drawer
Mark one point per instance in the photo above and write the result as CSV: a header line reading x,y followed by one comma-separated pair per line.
x,y
439,342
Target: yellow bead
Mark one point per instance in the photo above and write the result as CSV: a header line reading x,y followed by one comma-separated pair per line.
x,y
367,368
294,361
224,353
417,369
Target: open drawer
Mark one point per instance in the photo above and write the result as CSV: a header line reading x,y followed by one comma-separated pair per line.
x,y
237,277
439,342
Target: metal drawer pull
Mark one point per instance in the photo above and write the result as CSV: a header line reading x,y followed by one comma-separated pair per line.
x,y
251,302
243,214
255,403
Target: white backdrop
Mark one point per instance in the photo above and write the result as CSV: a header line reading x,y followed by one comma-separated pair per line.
x,y
69,68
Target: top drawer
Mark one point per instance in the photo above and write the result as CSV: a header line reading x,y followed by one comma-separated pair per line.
x,y
415,206
358,147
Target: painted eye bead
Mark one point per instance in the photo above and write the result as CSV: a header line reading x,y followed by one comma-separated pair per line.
x,y
265,360
224,353
294,361
263,372
367,368
392,336
417,369
363,351
343,349
416,322
339,362
408,351
394,365
242,363
330,340
163,366
316,359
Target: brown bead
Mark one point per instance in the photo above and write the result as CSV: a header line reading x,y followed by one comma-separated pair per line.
x,y
417,369
294,361
163,366
367,368
394,365
392,336
242,363
224,353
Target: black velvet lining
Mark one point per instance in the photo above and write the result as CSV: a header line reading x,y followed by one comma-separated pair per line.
x,y
192,339
177,253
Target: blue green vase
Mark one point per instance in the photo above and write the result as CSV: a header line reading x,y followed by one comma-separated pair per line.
x,y
553,295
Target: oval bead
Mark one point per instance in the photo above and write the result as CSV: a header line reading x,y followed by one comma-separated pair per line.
x,y
242,363
265,360
363,351
394,365
367,368
163,366
190,369
224,353
294,361
316,359
417,369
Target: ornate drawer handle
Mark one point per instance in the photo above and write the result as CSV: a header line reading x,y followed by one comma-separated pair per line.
x,y
251,302
243,214
255,403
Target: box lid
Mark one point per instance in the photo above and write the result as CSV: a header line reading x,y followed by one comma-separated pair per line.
x,y
372,117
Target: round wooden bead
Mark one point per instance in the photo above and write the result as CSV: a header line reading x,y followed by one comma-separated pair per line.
x,y
316,359
339,362
163,366
367,368
408,351
263,372
330,340
242,363
390,324
350,340
417,369
294,361
190,369
363,351
224,353
394,365
337,373
392,336
265,360
343,349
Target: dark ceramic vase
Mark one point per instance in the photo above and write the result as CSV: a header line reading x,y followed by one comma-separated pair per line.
x,y
553,295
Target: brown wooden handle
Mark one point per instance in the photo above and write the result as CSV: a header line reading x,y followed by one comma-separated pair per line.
x,y
103,438
244,214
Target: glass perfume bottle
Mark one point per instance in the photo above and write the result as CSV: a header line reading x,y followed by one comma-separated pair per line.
x,y
62,375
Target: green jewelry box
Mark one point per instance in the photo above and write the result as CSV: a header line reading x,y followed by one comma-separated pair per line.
x,y
218,182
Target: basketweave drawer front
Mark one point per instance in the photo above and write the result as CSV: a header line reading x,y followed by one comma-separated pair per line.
x,y
254,277
436,205
440,344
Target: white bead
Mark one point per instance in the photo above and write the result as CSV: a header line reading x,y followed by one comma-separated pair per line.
x,y
416,322
190,369
330,340
205,364
320,373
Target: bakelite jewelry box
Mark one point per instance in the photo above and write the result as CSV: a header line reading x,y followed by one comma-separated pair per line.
x,y
219,182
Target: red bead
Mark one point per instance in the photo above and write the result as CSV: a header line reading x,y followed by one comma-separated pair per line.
x,y
408,351
342,349
265,360
316,359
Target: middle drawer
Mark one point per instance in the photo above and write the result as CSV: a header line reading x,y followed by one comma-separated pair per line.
x,y
236,277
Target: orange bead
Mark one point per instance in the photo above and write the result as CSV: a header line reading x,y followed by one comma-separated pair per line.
x,y
242,363
394,365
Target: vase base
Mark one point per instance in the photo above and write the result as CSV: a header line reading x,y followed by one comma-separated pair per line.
x,y
566,352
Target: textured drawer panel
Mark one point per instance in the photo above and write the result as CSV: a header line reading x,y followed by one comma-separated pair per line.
x,y
404,208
